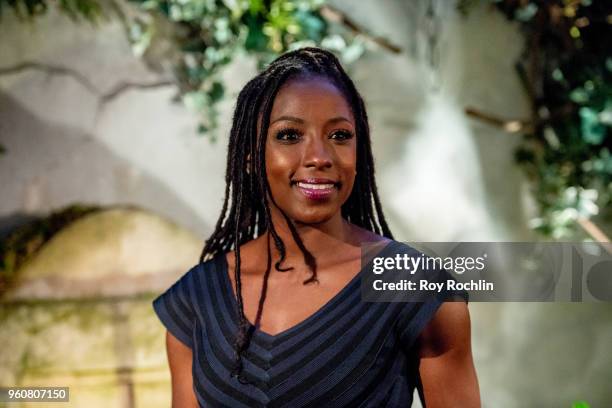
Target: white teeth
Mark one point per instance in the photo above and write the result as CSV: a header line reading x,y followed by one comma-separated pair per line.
x,y
315,186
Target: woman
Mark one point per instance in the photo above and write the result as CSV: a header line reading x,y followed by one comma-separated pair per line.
x,y
300,134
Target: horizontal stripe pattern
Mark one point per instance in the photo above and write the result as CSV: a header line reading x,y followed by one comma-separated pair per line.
x,y
349,353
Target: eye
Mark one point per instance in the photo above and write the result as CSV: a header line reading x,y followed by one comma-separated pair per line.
x,y
342,135
288,135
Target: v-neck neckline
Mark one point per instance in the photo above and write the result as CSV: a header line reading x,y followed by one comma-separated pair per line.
x,y
296,327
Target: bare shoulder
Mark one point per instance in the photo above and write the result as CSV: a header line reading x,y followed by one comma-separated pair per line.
x,y
448,330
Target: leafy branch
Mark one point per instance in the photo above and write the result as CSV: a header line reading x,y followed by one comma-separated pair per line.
x,y
566,70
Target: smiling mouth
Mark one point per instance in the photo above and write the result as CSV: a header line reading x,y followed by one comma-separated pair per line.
x,y
315,186
316,189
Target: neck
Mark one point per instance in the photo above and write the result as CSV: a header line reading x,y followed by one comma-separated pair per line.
x,y
320,239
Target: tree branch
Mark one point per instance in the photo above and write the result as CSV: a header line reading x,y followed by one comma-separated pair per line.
x,y
593,230
510,126
336,16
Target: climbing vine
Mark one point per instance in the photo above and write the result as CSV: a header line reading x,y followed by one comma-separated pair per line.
x,y
566,70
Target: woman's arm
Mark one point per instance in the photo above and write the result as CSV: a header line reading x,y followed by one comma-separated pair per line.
x,y
180,360
446,366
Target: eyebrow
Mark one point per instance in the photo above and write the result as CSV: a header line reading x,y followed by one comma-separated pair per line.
x,y
301,121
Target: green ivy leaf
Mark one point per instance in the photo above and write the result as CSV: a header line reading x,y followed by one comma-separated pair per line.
x,y
593,131
579,96
527,12
312,25
216,92
196,101
256,40
202,129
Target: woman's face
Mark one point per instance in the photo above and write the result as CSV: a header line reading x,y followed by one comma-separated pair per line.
x,y
311,150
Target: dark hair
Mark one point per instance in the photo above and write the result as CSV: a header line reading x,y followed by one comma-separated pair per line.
x,y
249,215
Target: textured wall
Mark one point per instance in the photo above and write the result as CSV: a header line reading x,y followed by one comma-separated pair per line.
x,y
67,143
80,315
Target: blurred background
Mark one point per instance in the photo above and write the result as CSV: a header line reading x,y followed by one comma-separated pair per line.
x,y
490,120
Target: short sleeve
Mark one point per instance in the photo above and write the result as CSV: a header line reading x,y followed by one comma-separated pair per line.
x,y
415,315
175,309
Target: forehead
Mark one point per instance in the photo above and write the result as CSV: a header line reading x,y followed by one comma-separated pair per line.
x,y
310,99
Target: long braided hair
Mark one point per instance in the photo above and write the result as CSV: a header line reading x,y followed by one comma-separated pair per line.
x,y
246,213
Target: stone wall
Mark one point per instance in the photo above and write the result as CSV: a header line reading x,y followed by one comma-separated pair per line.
x,y
80,315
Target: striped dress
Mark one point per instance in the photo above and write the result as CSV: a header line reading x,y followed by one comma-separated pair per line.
x,y
349,353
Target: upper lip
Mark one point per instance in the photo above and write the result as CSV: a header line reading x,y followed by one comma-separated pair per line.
x,y
316,180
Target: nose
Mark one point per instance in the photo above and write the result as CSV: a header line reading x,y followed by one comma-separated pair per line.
x,y
317,154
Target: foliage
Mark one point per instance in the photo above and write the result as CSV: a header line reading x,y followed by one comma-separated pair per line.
x,y
26,240
210,34
27,9
566,69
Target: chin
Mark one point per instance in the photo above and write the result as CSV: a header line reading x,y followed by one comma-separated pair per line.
x,y
312,217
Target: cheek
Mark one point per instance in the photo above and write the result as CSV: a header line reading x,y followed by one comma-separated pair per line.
x,y
276,163
349,168
347,162
280,165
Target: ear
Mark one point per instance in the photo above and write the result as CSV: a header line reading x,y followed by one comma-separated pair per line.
x,y
248,163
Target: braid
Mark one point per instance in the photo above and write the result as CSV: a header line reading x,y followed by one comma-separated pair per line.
x,y
246,214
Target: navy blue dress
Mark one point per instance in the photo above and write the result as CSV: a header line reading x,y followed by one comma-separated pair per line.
x,y
347,354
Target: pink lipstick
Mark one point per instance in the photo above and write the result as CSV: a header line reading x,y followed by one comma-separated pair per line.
x,y
316,188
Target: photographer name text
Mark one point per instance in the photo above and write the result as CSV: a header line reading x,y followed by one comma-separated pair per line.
x,y
425,285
